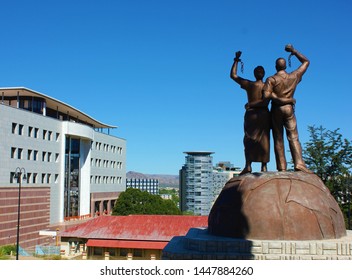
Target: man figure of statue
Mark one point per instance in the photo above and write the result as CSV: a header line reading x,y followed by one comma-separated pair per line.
x,y
256,119
280,88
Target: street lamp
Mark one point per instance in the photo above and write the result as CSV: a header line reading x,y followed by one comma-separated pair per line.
x,y
18,175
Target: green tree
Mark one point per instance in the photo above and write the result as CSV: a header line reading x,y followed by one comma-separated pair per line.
x,y
134,201
329,156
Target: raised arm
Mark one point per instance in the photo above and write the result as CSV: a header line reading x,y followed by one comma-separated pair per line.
x,y
305,62
234,67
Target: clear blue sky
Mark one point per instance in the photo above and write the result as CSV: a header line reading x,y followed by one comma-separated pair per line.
x,y
159,69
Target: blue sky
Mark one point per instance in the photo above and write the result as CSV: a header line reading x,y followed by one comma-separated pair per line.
x,y
159,70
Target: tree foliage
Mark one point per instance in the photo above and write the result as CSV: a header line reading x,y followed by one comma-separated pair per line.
x,y
134,201
329,156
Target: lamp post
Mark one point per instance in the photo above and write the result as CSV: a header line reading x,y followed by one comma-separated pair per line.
x,y
18,175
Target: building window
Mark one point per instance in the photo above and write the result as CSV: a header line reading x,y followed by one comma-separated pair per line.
x,y
137,253
36,130
44,134
30,131
29,177
20,129
12,177
56,157
35,175
35,156
50,135
29,155
98,251
43,156
123,252
57,136
19,153
13,152
14,125
72,174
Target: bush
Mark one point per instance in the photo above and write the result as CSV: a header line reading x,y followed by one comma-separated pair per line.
x,y
6,250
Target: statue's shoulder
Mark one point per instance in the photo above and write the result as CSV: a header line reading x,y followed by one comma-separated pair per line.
x,y
271,79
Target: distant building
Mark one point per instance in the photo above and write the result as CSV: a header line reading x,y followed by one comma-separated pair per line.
x,y
166,196
223,172
201,183
149,185
196,183
74,168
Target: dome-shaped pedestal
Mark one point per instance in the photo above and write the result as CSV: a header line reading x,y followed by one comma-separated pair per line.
x,y
276,206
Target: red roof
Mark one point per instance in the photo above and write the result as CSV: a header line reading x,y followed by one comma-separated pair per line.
x,y
136,227
126,244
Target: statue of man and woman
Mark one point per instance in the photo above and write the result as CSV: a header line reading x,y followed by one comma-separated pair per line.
x,y
278,89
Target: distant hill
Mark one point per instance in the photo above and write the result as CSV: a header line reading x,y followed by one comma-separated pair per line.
x,y
164,180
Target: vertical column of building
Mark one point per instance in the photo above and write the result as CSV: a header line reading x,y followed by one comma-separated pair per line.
x,y
196,183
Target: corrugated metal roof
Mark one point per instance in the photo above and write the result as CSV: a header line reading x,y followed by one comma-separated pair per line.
x,y
136,227
156,245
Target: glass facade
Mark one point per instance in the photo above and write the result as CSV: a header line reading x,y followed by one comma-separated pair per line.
x,y
199,182
72,168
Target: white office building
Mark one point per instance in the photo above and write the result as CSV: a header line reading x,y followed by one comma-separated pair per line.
x,y
73,167
196,183
144,184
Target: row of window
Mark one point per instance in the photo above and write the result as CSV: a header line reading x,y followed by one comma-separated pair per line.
x,y
33,132
107,148
36,178
138,186
105,180
18,153
106,163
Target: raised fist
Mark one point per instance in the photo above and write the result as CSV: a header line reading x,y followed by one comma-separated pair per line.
x,y
289,48
238,54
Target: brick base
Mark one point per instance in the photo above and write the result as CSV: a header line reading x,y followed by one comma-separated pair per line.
x,y
34,215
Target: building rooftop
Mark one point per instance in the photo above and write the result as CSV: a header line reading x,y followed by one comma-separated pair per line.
x,y
136,227
53,104
199,153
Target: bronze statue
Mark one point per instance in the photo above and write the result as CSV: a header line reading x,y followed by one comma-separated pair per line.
x,y
280,88
256,119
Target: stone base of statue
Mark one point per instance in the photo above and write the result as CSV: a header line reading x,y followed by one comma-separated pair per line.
x,y
280,211
198,244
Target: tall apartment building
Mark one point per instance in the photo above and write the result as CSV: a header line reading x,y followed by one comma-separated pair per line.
x,y
196,183
73,166
144,184
201,183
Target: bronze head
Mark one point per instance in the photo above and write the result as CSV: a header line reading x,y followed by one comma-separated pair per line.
x,y
259,72
280,64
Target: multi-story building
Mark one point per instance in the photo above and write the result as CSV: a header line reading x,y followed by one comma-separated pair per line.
x,y
201,183
196,183
144,184
73,167
223,172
